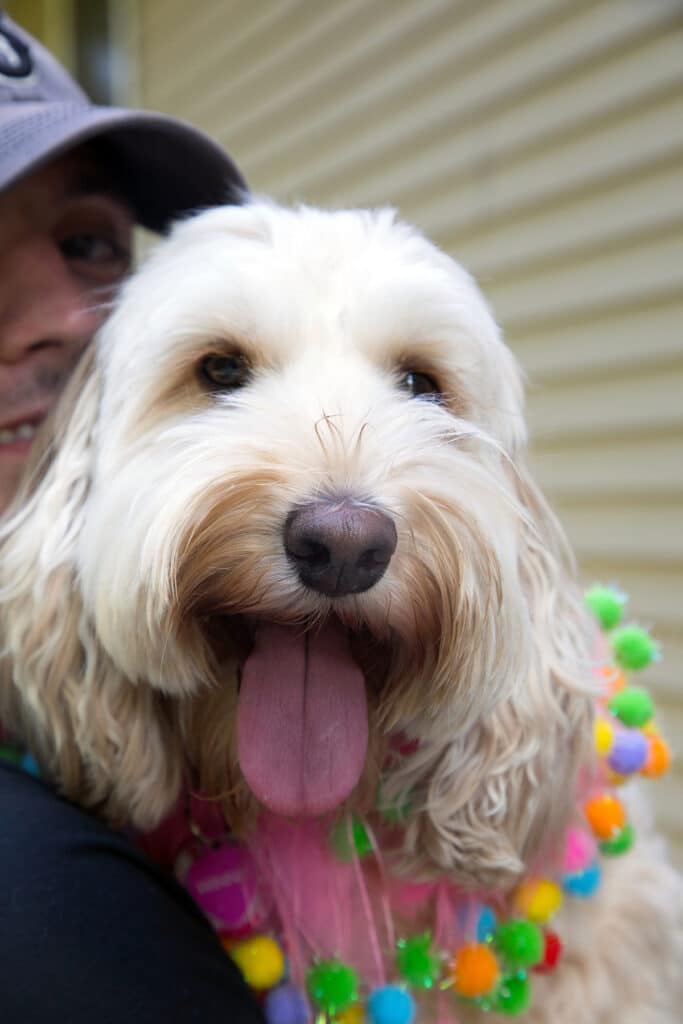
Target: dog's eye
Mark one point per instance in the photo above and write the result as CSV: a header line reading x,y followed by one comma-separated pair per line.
x,y
419,384
225,373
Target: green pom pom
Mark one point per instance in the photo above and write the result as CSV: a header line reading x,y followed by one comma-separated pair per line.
x,y
349,837
417,963
606,604
513,995
633,706
520,943
633,647
622,842
10,755
395,813
332,986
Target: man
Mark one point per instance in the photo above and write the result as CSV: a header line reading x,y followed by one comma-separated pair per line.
x,y
91,930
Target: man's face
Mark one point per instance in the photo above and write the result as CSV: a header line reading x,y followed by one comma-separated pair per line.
x,y
65,244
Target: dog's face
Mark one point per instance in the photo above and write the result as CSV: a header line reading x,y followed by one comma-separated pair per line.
x,y
286,522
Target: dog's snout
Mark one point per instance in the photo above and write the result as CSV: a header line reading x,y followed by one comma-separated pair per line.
x,y
339,547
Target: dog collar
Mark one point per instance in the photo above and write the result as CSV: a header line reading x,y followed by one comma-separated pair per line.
x,y
306,910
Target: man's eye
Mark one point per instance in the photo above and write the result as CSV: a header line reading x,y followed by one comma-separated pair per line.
x,y
225,373
92,248
420,385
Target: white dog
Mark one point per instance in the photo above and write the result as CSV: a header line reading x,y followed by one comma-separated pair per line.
x,y
281,518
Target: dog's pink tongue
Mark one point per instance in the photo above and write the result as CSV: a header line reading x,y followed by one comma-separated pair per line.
x,y
302,722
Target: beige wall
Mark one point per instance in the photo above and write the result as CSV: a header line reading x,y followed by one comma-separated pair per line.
x,y
51,21
541,142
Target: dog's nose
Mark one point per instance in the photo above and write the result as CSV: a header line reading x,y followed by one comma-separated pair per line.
x,y
339,547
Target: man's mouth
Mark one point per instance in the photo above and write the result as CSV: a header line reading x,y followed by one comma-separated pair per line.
x,y
17,438
20,432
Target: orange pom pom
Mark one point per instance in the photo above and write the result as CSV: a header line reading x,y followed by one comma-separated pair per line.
x,y
658,758
615,680
474,971
605,815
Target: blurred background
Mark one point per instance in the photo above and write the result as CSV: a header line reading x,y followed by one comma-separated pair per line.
x,y
538,141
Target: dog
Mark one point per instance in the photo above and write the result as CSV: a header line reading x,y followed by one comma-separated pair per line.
x,y
283,516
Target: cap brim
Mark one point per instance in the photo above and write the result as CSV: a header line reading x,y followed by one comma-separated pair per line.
x,y
162,166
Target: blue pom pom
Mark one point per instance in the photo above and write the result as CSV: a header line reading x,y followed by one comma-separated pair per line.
x,y
390,1005
30,765
583,883
286,1004
486,925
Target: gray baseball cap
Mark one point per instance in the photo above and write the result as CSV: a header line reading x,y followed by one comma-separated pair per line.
x,y
162,166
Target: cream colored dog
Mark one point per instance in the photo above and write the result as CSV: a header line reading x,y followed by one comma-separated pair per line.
x,y
296,455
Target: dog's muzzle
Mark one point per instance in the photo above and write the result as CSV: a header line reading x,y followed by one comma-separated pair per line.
x,y
339,547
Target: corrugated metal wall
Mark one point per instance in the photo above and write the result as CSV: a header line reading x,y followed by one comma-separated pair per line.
x,y
541,142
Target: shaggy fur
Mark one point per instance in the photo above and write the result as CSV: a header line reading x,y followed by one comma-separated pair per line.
x,y
147,544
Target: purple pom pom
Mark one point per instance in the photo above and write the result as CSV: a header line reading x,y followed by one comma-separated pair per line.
x,y
286,1004
629,752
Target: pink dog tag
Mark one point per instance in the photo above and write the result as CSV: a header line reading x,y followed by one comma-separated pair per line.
x,y
223,882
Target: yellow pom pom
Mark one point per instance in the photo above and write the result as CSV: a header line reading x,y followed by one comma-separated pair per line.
x,y
603,736
354,1014
606,815
474,971
260,960
615,779
538,900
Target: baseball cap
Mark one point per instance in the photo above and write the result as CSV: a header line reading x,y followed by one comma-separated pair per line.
x,y
162,166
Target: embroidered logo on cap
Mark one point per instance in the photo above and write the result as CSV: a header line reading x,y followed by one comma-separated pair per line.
x,y
15,56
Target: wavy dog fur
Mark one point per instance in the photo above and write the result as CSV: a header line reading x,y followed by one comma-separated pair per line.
x,y
149,536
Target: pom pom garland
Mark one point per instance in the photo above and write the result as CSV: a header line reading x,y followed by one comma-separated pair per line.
x,y
552,952
605,815
354,1014
332,985
620,843
583,884
629,752
519,942
486,925
390,1005
416,961
488,959
632,706
514,995
603,736
474,971
349,841
261,961
579,850
658,757
633,648
286,1004
538,900
607,604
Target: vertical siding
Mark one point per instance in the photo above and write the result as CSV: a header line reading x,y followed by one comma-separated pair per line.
x,y
539,141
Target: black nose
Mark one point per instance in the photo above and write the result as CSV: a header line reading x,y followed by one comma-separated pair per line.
x,y
339,547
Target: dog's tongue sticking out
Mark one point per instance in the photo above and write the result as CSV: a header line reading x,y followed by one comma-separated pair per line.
x,y
302,720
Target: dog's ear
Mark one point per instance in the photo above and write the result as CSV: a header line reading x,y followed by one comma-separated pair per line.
x,y
494,796
104,740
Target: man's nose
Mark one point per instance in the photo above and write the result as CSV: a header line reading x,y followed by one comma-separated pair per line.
x,y
45,304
